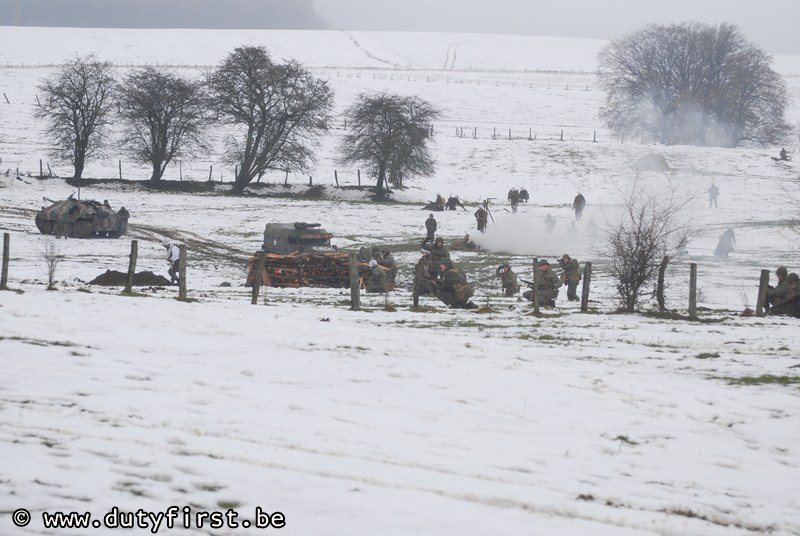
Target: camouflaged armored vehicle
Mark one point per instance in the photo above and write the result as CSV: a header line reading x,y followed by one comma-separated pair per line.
x,y
73,218
298,237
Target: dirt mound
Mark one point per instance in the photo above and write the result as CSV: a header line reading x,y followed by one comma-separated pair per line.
x,y
113,278
652,162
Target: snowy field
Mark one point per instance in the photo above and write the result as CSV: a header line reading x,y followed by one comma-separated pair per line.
x,y
379,422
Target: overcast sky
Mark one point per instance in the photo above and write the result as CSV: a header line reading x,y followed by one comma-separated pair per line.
x,y
772,24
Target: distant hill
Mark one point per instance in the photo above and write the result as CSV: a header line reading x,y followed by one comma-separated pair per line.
x,y
233,14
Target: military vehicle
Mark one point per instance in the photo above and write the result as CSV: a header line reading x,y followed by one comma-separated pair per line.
x,y
298,237
73,218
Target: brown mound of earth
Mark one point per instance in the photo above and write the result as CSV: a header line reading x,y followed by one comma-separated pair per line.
x,y
113,278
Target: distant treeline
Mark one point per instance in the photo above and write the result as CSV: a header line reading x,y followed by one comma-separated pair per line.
x,y
244,14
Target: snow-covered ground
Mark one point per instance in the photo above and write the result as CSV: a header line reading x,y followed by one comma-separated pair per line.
x,y
445,422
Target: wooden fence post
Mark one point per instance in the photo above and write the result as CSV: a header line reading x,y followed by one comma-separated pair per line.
x,y
120,170
533,288
336,177
210,171
286,180
693,290
182,274
763,285
594,138
359,178
310,180
6,248
509,133
662,269
417,277
587,280
562,134
355,284
132,265
41,169
257,280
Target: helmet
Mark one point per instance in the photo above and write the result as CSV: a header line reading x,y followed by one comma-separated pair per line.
x,y
447,262
166,242
425,251
438,239
566,255
543,261
793,278
431,216
373,263
781,271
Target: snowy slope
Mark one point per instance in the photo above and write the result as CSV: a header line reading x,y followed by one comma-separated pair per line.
x,y
444,422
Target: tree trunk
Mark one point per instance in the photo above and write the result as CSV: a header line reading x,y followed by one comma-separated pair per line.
x,y
157,173
381,180
79,163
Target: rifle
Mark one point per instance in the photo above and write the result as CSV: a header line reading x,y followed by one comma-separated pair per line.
x,y
529,283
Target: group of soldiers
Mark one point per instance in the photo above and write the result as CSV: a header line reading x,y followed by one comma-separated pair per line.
x,y
784,298
437,275
546,283
515,197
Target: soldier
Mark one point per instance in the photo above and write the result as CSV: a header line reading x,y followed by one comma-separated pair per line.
x,y
726,244
480,218
378,279
453,202
439,203
783,154
430,227
549,223
546,286
453,289
523,195
173,258
578,204
513,198
422,269
508,280
713,193
570,276
778,293
387,261
789,302
438,253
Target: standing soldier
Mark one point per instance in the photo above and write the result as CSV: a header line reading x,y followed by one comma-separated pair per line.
x,y
546,286
173,258
713,193
578,204
422,271
549,223
508,280
480,218
570,276
430,227
513,197
453,289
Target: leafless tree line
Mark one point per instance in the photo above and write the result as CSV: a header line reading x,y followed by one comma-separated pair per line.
x,y
275,114
693,84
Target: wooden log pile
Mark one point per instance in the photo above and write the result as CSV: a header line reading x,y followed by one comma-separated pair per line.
x,y
294,270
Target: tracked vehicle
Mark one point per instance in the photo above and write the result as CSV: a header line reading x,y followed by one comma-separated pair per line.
x,y
73,218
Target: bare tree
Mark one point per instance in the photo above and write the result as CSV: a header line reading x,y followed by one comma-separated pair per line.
x,y
278,111
389,134
52,258
162,115
648,234
76,105
693,84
